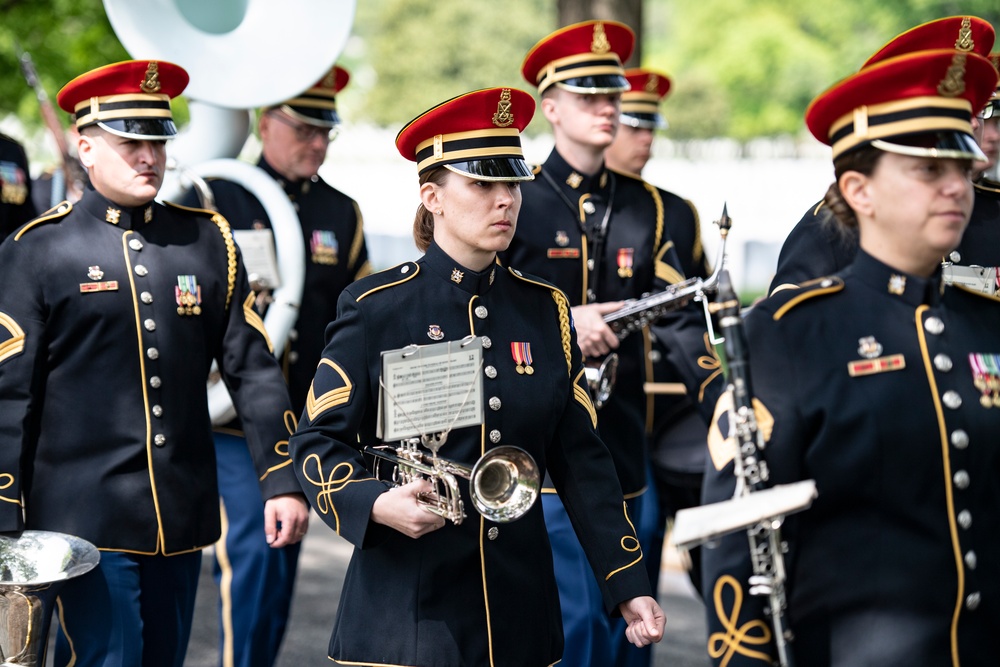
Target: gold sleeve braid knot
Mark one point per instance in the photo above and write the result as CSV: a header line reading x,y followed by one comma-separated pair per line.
x,y
227,234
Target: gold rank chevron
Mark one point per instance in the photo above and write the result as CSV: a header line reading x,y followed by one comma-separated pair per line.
x,y
15,344
315,406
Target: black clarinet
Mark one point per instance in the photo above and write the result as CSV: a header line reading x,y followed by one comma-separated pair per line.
x,y
766,548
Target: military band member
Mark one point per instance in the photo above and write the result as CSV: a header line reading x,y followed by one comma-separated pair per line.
x,y
256,582
818,246
112,312
675,428
476,592
16,205
601,237
881,384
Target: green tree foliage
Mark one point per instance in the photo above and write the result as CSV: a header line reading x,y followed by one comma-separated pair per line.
x,y
740,68
64,39
749,68
426,51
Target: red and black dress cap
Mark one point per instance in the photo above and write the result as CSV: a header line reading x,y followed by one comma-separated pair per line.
x,y
918,104
477,134
130,98
641,103
582,58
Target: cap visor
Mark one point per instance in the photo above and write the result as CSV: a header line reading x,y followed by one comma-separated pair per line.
x,y
942,144
317,117
146,129
592,85
645,121
494,169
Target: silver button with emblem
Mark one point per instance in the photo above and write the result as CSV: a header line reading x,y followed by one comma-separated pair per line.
x,y
972,601
942,362
961,479
159,440
404,269
493,533
970,560
951,399
153,353
157,411
965,519
487,343
589,208
934,325
959,439
481,312
494,403
494,436
146,297
141,270
154,382
491,372
149,325
590,264
955,256
293,334
135,244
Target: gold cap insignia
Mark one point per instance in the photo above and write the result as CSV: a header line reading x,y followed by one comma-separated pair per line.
x,y
953,83
504,115
600,43
151,84
965,41
330,80
652,83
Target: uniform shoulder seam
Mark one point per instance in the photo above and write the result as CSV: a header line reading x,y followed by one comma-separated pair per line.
x,y
52,215
806,291
191,209
410,273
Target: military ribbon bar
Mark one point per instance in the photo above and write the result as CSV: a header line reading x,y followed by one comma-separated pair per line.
x,y
893,362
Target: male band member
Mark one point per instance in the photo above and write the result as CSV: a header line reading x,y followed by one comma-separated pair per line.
x,y
676,431
600,236
257,582
112,312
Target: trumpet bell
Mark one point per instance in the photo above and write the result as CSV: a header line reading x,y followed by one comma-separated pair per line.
x,y
33,568
504,484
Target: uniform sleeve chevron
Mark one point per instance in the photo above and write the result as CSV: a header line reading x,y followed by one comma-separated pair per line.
x,y
330,388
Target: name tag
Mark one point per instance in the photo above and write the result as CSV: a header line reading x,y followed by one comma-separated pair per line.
x,y
563,253
105,286
893,362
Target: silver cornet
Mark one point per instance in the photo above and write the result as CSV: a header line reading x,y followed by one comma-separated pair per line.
x,y
503,484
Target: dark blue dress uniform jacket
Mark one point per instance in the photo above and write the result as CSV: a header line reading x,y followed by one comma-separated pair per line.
x,y
104,426
477,593
336,256
897,563
637,257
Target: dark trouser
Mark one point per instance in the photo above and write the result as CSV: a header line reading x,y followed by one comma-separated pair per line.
x,y
255,582
128,611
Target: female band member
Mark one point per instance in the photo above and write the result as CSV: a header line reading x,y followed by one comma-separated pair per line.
x,y
883,385
475,592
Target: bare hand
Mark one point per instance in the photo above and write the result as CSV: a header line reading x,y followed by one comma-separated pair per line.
x,y
593,334
645,620
290,511
398,509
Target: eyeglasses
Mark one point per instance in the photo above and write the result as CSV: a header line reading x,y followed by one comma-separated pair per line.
x,y
306,133
992,110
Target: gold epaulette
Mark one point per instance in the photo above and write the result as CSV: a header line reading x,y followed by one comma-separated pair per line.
x,y
53,214
793,296
391,277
